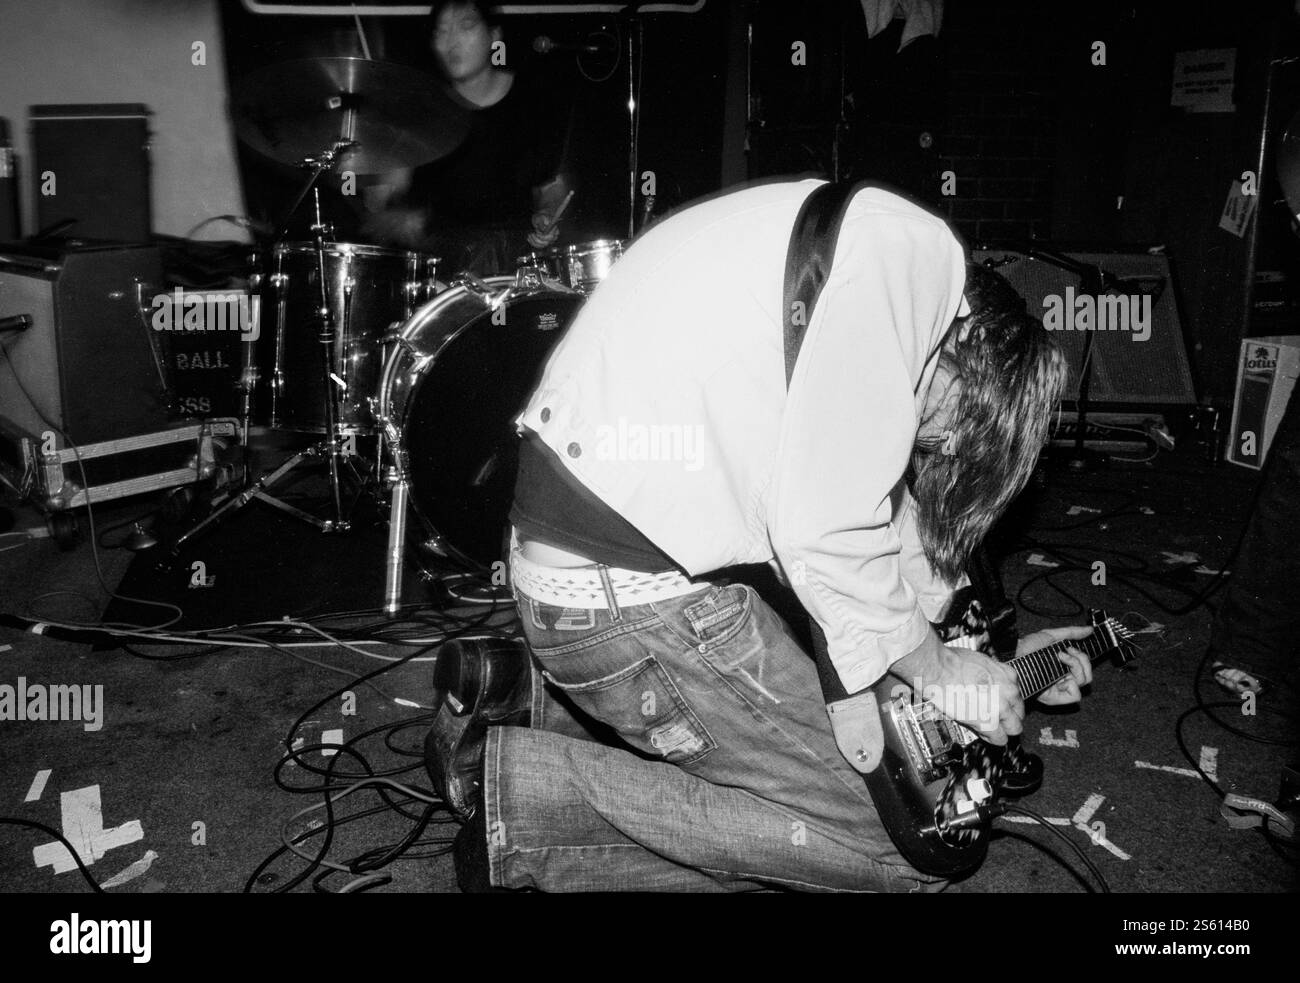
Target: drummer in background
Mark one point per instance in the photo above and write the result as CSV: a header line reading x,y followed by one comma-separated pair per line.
x,y
502,192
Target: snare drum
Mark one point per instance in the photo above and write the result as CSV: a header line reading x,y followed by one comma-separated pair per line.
x,y
369,291
460,373
579,267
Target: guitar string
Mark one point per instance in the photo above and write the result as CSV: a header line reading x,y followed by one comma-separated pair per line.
x,y
1035,665
1043,663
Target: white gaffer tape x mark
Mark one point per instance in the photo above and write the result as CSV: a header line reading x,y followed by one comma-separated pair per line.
x,y
1209,764
83,825
1080,821
1071,738
38,785
334,737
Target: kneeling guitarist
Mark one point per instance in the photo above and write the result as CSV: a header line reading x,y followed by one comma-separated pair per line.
x,y
729,396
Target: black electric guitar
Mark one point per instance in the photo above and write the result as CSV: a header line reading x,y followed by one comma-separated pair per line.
x,y
938,786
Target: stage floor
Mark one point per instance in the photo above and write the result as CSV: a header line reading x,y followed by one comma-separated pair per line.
x,y
175,791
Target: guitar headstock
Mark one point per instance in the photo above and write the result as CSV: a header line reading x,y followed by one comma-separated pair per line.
x,y
1117,639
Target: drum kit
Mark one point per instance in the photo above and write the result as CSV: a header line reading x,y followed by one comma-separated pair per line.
x,y
369,347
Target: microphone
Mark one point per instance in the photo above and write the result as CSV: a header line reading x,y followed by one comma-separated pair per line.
x,y
544,45
18,322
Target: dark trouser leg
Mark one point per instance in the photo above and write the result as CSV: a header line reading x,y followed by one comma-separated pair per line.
x,y
1259,617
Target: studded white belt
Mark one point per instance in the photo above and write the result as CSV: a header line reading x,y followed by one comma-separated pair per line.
x,y
583,587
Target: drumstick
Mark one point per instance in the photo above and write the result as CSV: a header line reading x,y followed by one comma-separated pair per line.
x,y
361,32
560,211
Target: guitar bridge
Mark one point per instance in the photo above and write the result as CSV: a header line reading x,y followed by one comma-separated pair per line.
x,y
933,741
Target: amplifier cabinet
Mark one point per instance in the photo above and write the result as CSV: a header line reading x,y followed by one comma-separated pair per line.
x,y
1139,356
87,365
91,169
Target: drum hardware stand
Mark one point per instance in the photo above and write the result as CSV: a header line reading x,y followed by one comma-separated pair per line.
x,y
492,301
395,478
330,448
635,27
328,340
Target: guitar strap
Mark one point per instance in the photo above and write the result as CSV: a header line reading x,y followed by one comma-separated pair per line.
x,y
808,260
807,266
999,612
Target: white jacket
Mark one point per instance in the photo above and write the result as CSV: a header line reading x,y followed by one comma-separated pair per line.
x,y
667,398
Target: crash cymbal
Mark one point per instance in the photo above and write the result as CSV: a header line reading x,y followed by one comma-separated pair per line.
x,y
398,116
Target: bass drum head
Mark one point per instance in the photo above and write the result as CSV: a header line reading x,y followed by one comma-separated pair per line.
x,y
459,430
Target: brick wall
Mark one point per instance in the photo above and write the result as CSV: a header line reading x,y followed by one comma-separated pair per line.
x,y
999,136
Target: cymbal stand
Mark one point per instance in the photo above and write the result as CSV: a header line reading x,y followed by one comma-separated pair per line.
x,y
328,340
330,448
635,29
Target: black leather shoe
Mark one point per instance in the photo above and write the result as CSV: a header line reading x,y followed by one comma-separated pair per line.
x,y
478,683
1022,772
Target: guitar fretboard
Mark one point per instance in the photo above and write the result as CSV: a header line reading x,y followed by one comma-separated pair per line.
x,y
1043,669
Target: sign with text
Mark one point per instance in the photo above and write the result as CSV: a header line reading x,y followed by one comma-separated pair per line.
x,y
1203,80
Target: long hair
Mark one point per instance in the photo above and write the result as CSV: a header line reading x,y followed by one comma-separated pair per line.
x,y
1009,375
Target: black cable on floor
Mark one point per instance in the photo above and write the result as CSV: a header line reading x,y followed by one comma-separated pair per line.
x,y
50,831
1096,872
331,776
306,835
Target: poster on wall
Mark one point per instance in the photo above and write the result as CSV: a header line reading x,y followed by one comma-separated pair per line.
x,y
1203,80
1238,210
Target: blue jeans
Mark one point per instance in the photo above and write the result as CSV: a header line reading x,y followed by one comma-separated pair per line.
x,y
721,772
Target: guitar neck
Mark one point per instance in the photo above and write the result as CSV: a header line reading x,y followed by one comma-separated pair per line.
x,y
1043,669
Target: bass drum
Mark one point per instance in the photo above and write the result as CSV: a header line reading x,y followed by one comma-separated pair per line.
x,y
461,371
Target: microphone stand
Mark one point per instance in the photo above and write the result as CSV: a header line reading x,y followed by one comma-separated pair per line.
x,y
1094,281
635,29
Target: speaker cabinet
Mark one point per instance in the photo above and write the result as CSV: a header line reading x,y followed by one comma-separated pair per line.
x,y
91,167
88,363
1138,350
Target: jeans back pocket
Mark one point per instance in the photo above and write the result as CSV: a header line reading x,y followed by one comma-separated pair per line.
x,y
642,703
